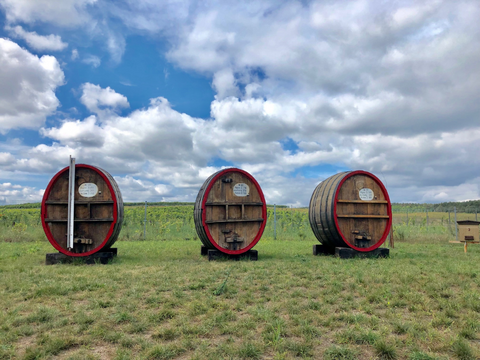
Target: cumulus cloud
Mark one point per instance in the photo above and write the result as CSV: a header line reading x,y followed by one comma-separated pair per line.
x,y
17,194
388,87
74,133
98,100
27,87
38,42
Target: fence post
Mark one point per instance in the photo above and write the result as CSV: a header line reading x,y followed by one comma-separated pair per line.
x,y
145,223
476,215
456,230
407,217
274,222
448,217
426,211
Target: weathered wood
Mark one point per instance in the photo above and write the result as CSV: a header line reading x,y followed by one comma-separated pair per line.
x,y
348,253
101,257
319,249
351,208
362,201
79,220
98,210
222,203
232,221
364,216
222,209
214,254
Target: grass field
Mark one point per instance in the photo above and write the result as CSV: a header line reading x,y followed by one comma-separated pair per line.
x,y
162,300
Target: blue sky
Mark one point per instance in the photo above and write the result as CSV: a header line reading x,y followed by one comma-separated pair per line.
x,y
161,95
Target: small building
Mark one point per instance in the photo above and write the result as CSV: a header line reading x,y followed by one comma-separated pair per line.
x,y
468,230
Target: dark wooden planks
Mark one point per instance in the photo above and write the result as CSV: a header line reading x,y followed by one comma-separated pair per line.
x,y
339,217
227,221
94,216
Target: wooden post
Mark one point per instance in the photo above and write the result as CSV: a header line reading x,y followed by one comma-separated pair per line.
x,y
274,222
456,229
145,223
391,245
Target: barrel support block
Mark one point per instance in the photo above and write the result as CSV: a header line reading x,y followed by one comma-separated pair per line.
x,y
348,253
100,257
214,254
319,249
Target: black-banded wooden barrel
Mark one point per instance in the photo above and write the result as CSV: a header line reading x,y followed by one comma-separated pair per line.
x,y
351,209
230,212
98,211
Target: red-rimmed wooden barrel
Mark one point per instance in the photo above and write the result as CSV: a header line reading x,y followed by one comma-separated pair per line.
x,y
230,212
351,209
98,211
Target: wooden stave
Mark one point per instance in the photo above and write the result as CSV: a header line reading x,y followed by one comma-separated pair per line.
x,y
327,234
120,212
327,216
198,213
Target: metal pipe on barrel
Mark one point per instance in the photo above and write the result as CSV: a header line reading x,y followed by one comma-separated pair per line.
x,y
71,204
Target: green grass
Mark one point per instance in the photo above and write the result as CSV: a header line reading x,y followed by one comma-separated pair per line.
x,y
162,300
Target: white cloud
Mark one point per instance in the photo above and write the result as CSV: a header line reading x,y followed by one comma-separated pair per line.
x,y
92,60
74,54
38,42
99,100
63,13
387,87
27,87
74,133
17,194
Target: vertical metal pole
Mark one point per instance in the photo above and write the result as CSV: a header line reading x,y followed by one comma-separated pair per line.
x,y
274,222
145,223
476,215
407,217
456,230
426,212
448,217
71,204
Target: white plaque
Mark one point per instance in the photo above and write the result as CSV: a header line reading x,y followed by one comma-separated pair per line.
x,y
241,189
88,190
366,194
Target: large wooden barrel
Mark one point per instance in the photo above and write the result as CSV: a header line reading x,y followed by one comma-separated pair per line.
x,y
351,209
98,212
230,212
